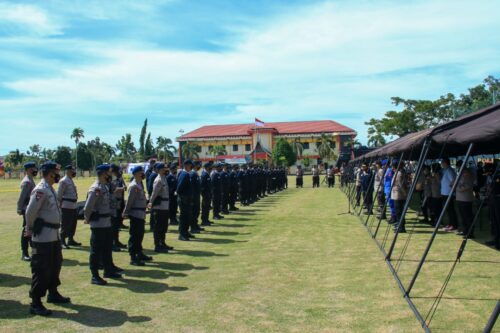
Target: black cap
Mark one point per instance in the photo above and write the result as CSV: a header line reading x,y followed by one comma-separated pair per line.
x,y
49,165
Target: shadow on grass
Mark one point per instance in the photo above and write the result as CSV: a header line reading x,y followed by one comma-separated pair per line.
x,y
234,225
194,253
152,274
178,266
219,240
13,310
143,287
225,233
92,316
13,281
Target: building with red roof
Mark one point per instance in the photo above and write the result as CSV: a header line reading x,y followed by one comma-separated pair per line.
x,y
251,142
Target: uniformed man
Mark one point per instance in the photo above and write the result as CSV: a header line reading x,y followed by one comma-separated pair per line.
x,y
217,191
196,186
158,202
151,176
299,182
493,193
172,186
185,197
331,176
67,196
241,185
27,186
43,218
233,191
118,188
135,209
224,176
206,193
315,176
97,212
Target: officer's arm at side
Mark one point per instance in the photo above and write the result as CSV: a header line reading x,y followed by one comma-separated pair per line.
x,y
89,205
36,201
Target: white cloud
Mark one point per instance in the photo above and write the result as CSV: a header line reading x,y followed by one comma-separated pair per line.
x,y
29,19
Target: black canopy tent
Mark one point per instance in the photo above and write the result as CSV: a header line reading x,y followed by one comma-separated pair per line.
x,y
472,134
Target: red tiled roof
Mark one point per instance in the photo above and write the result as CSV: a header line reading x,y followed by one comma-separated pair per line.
x,y
296,127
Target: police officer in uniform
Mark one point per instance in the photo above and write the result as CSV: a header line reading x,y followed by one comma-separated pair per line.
x,y
206,193
224,176
27,186
67,196
185,197
172,186
159,204
135,209
43,217
217,191
299,182
151,176
118,188
493,192
97,212
233,192
196,185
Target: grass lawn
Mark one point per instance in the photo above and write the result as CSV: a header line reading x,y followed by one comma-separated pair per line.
x,y
290,263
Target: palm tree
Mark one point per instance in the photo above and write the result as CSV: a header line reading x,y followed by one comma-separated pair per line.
x,y
297,147
326,147
190,150
35,151
76,135
217,150
165,146
126,147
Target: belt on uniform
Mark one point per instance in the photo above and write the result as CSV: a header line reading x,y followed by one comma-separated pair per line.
x,y
70,200
51,225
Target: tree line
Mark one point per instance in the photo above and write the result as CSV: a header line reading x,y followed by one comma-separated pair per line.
x,y
87,155
419,114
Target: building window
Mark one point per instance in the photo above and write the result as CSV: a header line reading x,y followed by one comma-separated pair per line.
x,y
248,147
198,149
305,145
210,148
235,147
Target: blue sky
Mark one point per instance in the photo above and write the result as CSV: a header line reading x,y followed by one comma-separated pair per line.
x,y
106,65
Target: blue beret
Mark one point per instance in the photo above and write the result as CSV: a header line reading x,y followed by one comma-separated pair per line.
x,y
159,166
197,163
68,167
173,165
207,164
115,168
103,167
49,165
188,161
29,165
137,169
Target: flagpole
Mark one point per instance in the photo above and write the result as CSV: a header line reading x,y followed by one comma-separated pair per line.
x,y
256,141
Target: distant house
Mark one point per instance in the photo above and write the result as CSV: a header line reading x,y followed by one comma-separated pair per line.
x,y
248,142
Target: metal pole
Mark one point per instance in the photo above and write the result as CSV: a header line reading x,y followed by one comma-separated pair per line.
x,y
493,319
438,222
423,155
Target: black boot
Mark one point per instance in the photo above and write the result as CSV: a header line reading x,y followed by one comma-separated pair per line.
x,y
97,280
73,242
25,257
64,244
135,261
55,297
37,308
143,257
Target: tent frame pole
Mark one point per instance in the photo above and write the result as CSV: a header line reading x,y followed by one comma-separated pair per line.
x,y
493,318
421,161
438,222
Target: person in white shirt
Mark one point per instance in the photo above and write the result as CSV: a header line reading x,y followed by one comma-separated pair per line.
x,y
448,176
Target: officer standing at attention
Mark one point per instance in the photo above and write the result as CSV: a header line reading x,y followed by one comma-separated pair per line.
x,y
315,176
206,193
97,213
158,202
118,188
172,186
43,217
233,193
299,182
67,197
241,185
217,191
224,176
135,209
151,176
27,186
196,185
185,198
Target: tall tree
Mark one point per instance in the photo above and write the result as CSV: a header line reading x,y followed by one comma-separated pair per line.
x,y
142,139
62,155
148,147
77,134
283,153
126,148
86,160
326,147
217,150
190,150
165,148
297,147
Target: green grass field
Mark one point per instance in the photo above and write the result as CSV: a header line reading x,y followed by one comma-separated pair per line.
x,y
293,262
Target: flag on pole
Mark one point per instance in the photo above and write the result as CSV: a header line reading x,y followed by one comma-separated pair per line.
x,y
259,123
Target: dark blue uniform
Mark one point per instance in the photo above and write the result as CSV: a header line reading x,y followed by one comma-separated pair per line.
x,y
206,197
185,200
172,209
196,187
216,194
225,191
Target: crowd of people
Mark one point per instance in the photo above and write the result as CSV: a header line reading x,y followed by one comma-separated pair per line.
x,y
330,173
163,190
389,185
